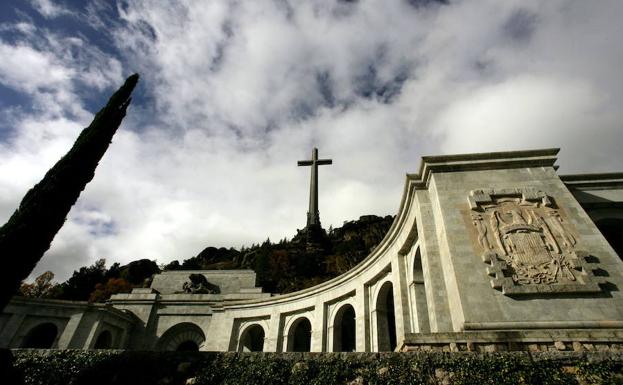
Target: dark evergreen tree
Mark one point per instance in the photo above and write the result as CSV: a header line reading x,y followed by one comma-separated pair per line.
x,y
136,272
114,271
30,230
173,265
83,281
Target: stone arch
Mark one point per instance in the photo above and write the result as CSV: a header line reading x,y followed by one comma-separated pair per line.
x,y
417,295
41,336
185,336
252,339
612,230
299,335
104,340
385,318
345,330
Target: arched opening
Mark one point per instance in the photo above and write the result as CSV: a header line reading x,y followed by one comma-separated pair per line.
x,y
418,296
188,346
185,336
344,330
252,339
104,340
612,230
41,336
385,318
299,338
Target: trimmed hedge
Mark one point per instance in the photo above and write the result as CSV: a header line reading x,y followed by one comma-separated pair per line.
x,y
75,367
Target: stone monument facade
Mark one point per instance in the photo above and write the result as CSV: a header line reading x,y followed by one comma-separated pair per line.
x,y
491,251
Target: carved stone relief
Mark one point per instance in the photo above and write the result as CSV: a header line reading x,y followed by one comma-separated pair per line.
x,y
529,245
198,284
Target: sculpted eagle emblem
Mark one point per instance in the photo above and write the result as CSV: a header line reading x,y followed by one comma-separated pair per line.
x,y
528,244
526,240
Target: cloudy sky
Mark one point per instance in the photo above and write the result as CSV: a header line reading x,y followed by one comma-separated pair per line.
x,y
233,93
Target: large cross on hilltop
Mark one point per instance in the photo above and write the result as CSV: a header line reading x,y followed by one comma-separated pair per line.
x,y
313,215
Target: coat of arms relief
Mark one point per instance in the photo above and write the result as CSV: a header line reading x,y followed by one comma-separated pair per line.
x,y
529,244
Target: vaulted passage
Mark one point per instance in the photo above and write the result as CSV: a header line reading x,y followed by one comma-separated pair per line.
x,y
385,318
299,338
612,229
104,340
41,336
252,339
184,336
187,346
344,330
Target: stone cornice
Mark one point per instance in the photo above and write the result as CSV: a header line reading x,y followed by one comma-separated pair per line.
x,y
598,181
53,302
481,161
66,304
210,272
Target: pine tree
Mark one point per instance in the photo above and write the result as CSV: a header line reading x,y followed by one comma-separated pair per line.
x,y
32,227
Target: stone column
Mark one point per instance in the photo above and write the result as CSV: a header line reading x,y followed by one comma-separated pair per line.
x,y
272,337
11,329
401,297
362,320
222,333
319,328
374,330
65,340
91,338
436,293
417,292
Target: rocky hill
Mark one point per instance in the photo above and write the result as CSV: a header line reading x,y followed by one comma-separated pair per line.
x,y
309,258
288,266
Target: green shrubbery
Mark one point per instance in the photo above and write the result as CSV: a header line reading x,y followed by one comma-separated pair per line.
x,y
168,368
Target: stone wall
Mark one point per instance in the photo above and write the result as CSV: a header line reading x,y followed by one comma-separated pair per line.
x,y
600,340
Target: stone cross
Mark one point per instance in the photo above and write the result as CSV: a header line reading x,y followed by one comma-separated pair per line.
x,y
313,215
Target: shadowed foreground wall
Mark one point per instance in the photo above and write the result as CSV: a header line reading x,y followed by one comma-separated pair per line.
x,y
117,367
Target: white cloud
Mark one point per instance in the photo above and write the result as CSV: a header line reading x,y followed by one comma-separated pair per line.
x,y
50,8
533,112
27,69
236,92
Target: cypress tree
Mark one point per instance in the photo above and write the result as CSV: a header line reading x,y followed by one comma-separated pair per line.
x,y
32,227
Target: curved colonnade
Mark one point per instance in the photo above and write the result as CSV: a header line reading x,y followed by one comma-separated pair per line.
x,y
365,309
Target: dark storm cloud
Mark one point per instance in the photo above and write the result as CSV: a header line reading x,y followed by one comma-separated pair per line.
x,y
369,85
426,3
520,25
228,34
325,87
